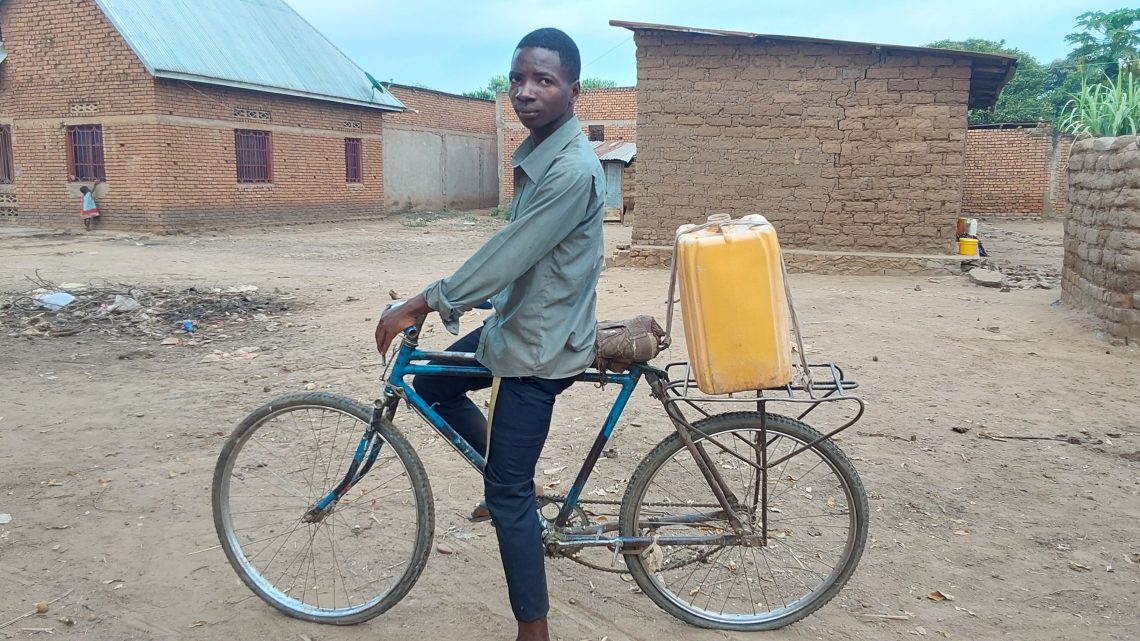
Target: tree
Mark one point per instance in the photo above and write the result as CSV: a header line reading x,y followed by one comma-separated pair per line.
x,y
494,86
1025,98
500,83
1106,44
1108,41
597,83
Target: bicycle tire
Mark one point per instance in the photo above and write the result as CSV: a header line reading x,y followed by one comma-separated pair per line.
x,y
297,412
854,512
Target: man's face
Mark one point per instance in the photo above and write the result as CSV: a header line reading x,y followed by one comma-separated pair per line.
x,y
541,93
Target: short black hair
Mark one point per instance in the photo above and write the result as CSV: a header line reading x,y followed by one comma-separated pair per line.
x,y
557,41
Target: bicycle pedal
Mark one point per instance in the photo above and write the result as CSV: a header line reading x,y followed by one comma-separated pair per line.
x,y
617,553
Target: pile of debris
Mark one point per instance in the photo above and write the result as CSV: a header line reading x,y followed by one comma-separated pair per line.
x,y
171,315
1009,277
1024,277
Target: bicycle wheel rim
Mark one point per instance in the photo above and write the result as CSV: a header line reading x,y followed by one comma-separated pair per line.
x,y
789,583
345,520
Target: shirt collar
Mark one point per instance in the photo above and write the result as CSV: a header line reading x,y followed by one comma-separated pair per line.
x,y
536,160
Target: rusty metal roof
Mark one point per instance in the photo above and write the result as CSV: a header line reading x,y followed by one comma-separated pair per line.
x,y
990,71
262,45
615,150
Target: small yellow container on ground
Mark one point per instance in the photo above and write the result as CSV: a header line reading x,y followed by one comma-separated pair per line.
x,y
735,307
968,246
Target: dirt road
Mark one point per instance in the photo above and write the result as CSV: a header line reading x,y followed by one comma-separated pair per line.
x,y
107,445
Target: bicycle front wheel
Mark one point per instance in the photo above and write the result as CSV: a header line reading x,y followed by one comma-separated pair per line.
x,y
817,525
366,552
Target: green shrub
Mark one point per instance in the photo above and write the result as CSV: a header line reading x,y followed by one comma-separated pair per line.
x,y
1111,108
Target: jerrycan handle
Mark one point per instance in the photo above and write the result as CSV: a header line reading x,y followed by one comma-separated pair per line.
x,y
714,222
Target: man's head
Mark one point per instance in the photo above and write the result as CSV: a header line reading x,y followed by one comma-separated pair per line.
x,y
544,80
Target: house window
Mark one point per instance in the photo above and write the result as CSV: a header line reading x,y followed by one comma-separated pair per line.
x,y
254,152
352,161
7,168
597,133
85,153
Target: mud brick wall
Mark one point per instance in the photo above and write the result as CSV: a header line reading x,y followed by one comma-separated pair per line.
x,y
843,147
1019,171
1101,273
615,109
168,145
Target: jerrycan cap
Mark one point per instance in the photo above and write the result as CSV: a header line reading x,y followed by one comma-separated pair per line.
x,y
716,220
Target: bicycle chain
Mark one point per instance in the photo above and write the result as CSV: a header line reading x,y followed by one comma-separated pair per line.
x,y
561,499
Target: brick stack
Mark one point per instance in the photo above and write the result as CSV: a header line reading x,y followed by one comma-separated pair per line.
x,y
843,147
1102,233
168,146
615,109
1015,171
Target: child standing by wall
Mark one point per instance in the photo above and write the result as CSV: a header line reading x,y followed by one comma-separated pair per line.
x,y
90,210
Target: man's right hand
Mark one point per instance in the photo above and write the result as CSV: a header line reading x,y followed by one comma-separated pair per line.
x,y
397,319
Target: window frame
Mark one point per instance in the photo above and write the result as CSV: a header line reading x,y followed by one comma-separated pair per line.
x,y
246,168
7,161
354,150
596,133
93,160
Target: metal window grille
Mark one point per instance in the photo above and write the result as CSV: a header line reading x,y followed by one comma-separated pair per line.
x,y
85,153
254,156
7,168
352,161
597,133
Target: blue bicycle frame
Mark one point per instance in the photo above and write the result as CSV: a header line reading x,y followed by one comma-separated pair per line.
x,y
411,361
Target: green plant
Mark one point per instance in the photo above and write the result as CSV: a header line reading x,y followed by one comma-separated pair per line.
x,y
494,213
1111,108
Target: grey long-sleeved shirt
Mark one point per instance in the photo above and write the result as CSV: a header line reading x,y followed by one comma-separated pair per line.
x,y
541,269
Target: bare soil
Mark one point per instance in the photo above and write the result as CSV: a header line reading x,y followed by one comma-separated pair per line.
x,y
108,442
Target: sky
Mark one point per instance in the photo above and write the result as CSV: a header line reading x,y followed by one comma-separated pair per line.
x,y
457,45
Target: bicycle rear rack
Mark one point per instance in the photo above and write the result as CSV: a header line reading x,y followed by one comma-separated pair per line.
x,y
827,386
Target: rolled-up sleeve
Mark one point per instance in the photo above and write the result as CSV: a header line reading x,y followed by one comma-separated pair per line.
x,y
552,212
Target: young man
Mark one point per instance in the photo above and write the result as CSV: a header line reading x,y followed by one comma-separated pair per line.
x,y
539,272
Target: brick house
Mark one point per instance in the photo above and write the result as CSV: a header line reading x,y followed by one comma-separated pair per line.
x,y
1016,169
605,114
189,114
845,146
441,152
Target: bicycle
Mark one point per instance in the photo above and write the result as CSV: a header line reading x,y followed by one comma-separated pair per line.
x,y
747,520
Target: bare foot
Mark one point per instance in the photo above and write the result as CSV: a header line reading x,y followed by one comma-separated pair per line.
x,y
533,631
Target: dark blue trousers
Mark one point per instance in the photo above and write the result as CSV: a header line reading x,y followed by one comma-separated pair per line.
x,y
518,433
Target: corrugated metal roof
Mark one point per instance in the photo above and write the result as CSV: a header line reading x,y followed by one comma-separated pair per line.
x,y
615,150
990,71
263,45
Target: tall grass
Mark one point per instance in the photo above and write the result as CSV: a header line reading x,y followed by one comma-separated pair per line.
x,y
1111,108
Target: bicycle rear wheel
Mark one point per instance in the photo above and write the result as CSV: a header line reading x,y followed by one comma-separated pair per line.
x,y
369,549
817,525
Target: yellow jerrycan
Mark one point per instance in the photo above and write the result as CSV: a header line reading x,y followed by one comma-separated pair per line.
x,y
734,305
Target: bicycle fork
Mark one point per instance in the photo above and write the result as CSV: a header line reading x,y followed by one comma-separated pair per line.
x,y
362,460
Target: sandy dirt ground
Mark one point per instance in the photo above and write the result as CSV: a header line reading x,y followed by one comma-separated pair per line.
x,y
108,443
